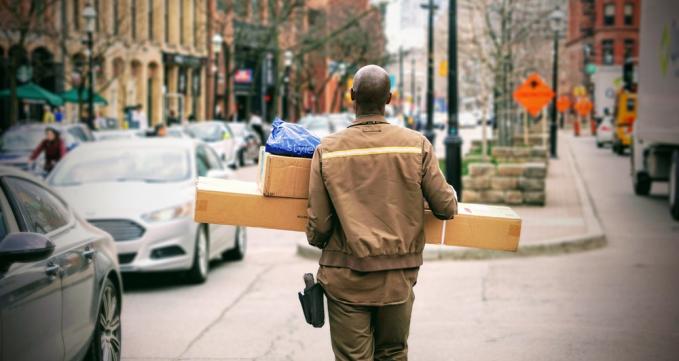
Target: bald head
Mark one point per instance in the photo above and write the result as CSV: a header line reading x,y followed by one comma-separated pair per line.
x,y
370,90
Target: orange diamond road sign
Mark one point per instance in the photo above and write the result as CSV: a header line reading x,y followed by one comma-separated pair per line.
x,y
563,104
533,94
583,106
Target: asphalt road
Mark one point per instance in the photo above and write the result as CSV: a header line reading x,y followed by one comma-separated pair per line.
x,y
616,303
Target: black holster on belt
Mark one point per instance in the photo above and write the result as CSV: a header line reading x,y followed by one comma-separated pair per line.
x,y
312,302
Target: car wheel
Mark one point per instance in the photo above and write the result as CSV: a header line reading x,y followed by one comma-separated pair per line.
x,y
642,184
106,341
599,145
241,157
617,148
201,259
674,184
237,253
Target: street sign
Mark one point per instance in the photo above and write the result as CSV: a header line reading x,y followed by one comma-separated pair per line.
x,y
533,94
563,104
583,106
243,76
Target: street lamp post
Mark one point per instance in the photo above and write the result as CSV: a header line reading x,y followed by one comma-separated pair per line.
x,y
453,141
429,132
216,50
555,21
286,82
90,15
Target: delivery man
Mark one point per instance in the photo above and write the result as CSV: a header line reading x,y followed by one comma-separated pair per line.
x,y
366,212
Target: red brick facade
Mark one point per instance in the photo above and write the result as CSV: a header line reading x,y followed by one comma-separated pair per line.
x,y
610,28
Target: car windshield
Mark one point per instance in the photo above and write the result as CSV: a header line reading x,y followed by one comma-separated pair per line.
x,y
206,132
143,164
22,139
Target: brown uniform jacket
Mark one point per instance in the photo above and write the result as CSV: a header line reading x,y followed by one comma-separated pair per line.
x,y
366,191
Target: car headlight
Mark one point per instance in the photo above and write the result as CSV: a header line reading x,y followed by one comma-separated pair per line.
x,y
168,214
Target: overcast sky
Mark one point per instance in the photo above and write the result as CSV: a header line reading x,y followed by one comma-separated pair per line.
x,y
406,23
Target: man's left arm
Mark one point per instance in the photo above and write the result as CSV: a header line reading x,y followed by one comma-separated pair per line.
x,y
320,210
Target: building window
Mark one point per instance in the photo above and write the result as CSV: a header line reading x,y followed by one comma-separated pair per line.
x,y
97,10
133,19
116,19
629,14
182,40
240,7
76,14
150,19
607,52
195,24
609,14
256,11
167,21
629,48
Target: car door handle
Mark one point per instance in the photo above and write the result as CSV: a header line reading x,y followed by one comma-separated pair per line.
x,y
52,270
89,253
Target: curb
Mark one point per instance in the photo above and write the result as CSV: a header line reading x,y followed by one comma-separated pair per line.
x,y
593,238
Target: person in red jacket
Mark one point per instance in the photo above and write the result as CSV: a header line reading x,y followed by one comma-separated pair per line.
x,y
53,147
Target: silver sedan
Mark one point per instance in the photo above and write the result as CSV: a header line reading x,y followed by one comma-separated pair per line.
x,y
142,192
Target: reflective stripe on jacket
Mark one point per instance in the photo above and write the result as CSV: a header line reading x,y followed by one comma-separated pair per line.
x,y
366,192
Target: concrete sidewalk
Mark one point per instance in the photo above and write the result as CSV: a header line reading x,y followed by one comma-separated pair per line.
x,y
567,223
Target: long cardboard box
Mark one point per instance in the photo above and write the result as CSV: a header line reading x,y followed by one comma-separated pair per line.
x,y
281,176
241,203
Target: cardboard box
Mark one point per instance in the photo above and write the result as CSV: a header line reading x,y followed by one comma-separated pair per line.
x,y
241,203
281,176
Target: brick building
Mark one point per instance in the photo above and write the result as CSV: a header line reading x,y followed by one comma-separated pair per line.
x,y
147,52
603,33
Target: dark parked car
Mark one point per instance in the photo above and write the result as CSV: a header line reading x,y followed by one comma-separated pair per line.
x,y
60,287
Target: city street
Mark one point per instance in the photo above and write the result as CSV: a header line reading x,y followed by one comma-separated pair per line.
x,y
615,303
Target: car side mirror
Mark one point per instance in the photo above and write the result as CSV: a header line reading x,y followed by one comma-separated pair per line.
x,y
218,173
25,247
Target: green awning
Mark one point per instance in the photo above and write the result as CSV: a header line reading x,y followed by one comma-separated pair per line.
x,y
32,91
71,96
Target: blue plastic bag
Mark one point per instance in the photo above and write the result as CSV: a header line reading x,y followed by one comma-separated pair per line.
x,y
291,140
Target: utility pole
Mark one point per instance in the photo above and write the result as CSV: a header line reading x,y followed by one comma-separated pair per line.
x,y
429,132
453,141
412,86
556,19
400,78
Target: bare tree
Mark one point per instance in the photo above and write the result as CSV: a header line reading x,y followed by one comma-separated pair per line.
x,y
507,38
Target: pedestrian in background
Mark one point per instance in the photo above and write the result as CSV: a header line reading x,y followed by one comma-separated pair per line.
x,y
172,118
139,117
47,115
52,146
256,124
59,115
366,213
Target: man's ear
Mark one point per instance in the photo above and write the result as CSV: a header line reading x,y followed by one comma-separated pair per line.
x,y
353,95
388,99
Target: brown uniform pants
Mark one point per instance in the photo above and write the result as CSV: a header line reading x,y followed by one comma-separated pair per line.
x,y
367,333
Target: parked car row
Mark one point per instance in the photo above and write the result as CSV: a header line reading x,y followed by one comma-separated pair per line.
x,y
123,203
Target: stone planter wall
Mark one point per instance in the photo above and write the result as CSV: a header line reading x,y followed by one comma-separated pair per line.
x,y
518,177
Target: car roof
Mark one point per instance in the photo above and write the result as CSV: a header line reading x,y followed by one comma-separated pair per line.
x,y
38,125
127,143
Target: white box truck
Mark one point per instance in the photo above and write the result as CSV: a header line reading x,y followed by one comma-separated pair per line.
x,y
655,152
